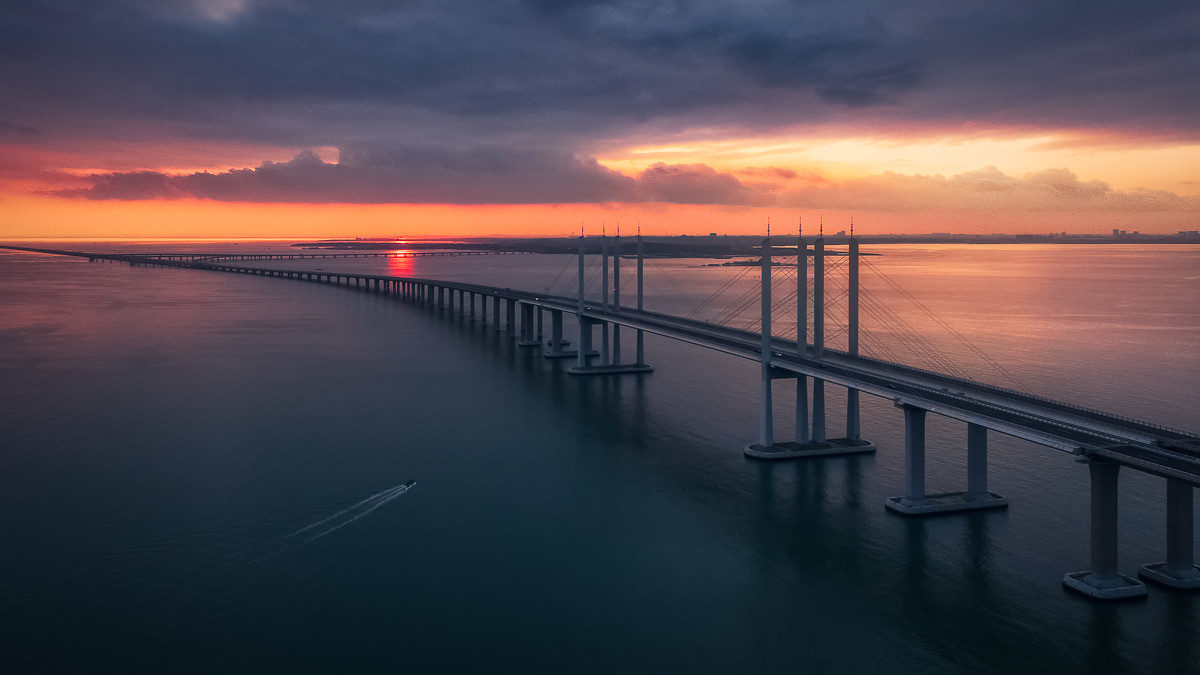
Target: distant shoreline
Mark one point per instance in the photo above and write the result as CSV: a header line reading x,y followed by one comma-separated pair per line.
x,y
723,246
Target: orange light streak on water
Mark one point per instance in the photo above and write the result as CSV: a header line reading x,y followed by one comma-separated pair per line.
x,y
401,263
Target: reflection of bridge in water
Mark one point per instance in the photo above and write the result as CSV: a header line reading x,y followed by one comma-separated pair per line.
x,y
1106,442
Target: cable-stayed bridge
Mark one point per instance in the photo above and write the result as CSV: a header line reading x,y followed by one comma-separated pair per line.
x,y
1106,442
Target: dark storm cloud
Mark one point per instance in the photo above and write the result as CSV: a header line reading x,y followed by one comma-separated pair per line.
x,y
428,174
472,80
580,68
416,174
488,175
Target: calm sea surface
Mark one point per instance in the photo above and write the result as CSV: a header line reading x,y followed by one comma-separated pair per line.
x,y
205,472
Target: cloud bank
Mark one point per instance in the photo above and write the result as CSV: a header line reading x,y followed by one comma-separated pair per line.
x,y
427,175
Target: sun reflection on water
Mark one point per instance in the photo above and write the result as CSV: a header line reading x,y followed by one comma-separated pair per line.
x,y
400,262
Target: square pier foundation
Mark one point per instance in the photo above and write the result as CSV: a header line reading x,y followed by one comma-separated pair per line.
x,y
1115,587
1184,580
794,450
945,502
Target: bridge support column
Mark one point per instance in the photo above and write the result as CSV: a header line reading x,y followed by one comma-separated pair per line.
x,y
916,502
585,345
818,410
604,344
496,312
802,431
472,306
1180,570
976,461
450,305
527,339
641,343
616,303
510,317
556,337
1103,581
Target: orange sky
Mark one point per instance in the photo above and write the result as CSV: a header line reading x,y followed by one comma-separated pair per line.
x,y
843,171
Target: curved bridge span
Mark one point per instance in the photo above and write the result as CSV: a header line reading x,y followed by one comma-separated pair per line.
x,y
1103,440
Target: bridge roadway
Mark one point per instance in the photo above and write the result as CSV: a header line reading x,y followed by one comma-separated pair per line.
x,y
1161,451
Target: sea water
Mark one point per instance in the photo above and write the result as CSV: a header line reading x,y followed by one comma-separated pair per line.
x,y
208,472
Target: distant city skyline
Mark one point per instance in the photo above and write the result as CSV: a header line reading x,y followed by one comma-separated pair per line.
x,y
296,118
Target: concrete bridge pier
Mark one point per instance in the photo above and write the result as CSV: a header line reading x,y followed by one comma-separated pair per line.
x,y
496,311
1103,581
1180,570
818,410
585,345
557,342
527,337
472,311
510,317
915,501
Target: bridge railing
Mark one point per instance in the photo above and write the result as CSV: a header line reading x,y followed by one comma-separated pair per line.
x,y
1037,397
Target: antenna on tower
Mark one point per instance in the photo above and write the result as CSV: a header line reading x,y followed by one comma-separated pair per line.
x,y
603,229
851,227
799,226
768,226
821,225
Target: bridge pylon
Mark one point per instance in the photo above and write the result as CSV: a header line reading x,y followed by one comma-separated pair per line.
x,y
610,352
810,441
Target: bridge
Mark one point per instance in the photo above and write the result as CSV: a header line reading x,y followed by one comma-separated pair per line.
x,y
1104,441
215,257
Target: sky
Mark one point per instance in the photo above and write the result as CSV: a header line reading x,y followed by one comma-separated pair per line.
x,y
281,118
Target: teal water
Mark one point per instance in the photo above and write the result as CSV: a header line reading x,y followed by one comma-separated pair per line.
x,y
166,436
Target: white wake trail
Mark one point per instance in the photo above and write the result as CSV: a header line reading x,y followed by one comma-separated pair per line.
x,y
398,491
382,494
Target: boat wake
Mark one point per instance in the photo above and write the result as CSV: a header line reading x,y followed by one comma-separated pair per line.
x,y
352,513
